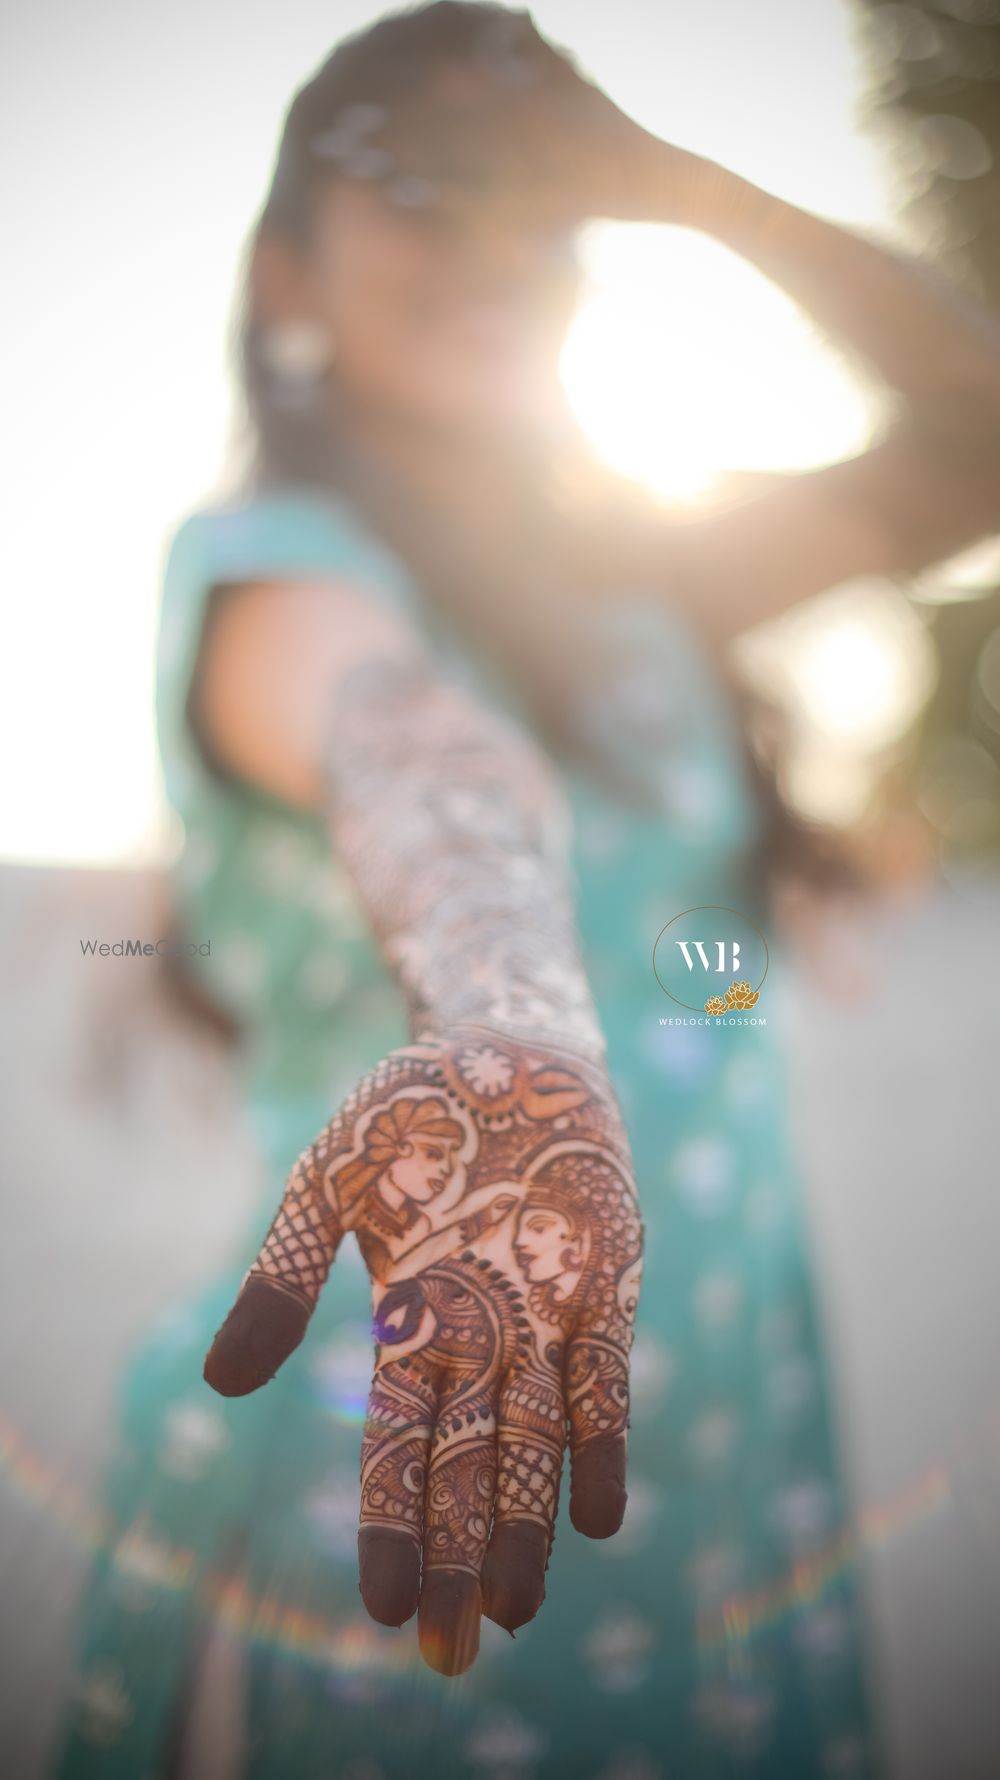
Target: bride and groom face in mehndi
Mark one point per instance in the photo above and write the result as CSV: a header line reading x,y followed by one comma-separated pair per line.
x,y
410,1184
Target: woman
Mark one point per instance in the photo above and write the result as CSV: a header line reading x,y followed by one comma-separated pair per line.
x,y
424,630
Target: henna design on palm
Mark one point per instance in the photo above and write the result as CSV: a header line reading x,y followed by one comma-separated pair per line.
x,y
490,1187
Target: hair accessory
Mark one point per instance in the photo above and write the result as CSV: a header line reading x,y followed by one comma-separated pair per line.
x,y
296,354
346,135
345,142
504,48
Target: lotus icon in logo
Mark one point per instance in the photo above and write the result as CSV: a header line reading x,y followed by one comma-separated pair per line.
x,y
711,959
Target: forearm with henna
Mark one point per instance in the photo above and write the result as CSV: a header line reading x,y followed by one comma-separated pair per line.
x,y
452,828
483,1167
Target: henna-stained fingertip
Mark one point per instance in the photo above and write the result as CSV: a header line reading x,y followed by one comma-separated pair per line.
x,y
264,1326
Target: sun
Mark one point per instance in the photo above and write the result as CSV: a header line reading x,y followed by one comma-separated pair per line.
x,y
684,362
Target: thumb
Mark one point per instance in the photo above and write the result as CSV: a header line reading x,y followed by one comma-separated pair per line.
x,y
279,1293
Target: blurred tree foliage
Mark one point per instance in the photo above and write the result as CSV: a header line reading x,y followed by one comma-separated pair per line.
x,y
935,96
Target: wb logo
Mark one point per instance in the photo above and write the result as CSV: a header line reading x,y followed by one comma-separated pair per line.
x,y
733,966
711,960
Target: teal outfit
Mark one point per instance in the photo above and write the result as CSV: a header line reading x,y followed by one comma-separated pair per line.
x,y
718,1633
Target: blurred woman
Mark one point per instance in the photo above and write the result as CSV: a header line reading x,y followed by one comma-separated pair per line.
x,y
425,631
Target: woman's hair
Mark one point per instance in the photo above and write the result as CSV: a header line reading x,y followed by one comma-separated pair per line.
x,y
389,62
387,65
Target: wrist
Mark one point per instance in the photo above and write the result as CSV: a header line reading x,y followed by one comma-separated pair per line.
x,y
723,204
574,1033
566,1040
503,956
689,191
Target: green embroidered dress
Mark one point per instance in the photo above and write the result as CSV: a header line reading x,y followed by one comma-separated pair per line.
x,y
687,1646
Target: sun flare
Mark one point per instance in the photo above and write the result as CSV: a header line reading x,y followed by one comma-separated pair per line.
x,y
684,362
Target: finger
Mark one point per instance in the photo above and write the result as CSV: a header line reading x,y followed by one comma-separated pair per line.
x,y
265,1325
461,1487
531,1440
401,1408
598,1398
279,1294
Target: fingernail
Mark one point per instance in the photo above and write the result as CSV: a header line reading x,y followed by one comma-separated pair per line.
x,y
389,1568
597,1491
264,1326
514,1573
451,1606
598,1509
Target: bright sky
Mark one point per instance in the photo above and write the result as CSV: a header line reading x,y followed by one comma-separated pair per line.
x,y
141,143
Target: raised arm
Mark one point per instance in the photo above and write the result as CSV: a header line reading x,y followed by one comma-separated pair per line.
x,y
483,1167
927,489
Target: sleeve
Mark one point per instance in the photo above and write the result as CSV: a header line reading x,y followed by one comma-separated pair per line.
x,y
292,533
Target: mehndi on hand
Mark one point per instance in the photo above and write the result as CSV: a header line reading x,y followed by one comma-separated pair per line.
x,y
489,1184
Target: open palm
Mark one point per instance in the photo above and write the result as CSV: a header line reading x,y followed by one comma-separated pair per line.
x,y
490,1187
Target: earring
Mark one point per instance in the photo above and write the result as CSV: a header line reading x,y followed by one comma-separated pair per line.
x,y
296,353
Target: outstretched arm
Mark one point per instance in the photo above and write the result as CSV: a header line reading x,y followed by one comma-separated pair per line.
x,y
484,1166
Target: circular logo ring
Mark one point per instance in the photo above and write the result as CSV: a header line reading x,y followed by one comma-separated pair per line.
x,y
694,1007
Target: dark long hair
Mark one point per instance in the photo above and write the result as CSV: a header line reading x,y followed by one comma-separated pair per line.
x,y
393,59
